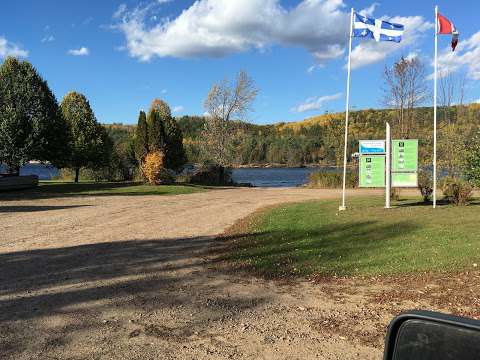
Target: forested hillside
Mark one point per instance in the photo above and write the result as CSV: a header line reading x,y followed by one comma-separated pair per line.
x,y
319,140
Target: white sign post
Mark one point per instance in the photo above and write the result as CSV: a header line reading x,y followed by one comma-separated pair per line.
x,y
388,168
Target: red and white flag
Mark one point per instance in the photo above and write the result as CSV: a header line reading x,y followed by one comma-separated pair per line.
x,y
445,26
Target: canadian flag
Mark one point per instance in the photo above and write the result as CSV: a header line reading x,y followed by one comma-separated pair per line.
x,y
445,26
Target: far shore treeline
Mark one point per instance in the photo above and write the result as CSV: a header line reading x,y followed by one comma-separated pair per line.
x,y
35,127
316,140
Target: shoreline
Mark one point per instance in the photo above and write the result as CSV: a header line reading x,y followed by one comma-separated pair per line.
x,y
283,166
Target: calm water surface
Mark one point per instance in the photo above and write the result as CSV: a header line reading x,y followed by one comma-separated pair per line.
x,y
259,177
275,177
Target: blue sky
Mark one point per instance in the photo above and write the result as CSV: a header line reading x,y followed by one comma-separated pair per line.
x,y
122,54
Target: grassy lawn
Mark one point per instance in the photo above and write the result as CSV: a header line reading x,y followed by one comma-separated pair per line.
x,y
58,188
314,238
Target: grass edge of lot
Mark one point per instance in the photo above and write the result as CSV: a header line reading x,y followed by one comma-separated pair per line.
x,y
250,228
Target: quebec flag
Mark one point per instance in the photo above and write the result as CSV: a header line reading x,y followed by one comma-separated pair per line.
x,y
376,29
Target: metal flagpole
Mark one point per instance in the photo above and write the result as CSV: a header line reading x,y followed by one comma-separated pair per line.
x,y
347,106
435,114
388,172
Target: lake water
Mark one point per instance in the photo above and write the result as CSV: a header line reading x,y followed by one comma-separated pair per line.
x,y
274,177
259,177
43,172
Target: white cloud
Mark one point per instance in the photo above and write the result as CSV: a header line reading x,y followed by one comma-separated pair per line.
x,y
465,56
122,8
214,28
164,91
178,109
87,20
83,51
369,10
369,51
8,48
315,103
48,38
312,68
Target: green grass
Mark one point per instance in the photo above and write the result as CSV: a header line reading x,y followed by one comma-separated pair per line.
x,y
61,188
314,238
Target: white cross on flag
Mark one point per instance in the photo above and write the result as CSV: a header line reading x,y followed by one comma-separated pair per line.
x,y
376,29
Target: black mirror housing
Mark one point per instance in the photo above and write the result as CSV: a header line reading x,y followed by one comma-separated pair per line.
x,y
426,335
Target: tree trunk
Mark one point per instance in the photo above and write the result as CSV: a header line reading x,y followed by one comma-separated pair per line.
x,y
77,173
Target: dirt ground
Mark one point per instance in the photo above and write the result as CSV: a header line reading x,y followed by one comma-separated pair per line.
x,y
131,277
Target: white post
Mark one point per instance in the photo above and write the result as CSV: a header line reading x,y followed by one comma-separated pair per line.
x,y
347,107
388,170
435,114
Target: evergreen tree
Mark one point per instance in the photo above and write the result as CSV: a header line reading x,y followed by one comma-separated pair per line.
x,y
141,137
166,134
175,152
31,126
156,136
90,145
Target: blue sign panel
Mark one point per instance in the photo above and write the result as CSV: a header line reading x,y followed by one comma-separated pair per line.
x,y
372,146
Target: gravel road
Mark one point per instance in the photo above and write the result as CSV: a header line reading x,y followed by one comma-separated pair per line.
x,y
130,277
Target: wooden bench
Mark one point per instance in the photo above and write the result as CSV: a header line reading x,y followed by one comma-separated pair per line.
x,y
8,183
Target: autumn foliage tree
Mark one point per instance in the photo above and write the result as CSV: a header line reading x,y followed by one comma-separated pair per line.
x,y
153,165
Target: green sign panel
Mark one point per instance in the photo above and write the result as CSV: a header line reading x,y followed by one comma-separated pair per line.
x,y
404,155
372,171
404,179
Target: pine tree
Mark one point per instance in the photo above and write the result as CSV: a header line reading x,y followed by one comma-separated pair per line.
x,y
175,152
90,145
156,136
31,126
141,137
175,156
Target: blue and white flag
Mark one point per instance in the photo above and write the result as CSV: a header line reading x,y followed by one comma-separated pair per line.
x,y
376,29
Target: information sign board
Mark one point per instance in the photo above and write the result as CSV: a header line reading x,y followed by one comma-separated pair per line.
x,y
372,171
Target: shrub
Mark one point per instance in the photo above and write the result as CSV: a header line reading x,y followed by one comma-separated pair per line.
x,y
456,191
210,174
425,185
472,161
331,180
154,170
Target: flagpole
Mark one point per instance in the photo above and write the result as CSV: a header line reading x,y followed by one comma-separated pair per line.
x,y
435,114
347,107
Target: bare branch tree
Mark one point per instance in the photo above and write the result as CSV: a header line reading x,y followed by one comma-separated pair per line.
x,y
405,89
447,91
226,102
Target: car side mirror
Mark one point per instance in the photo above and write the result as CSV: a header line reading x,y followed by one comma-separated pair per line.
x,y
425,335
